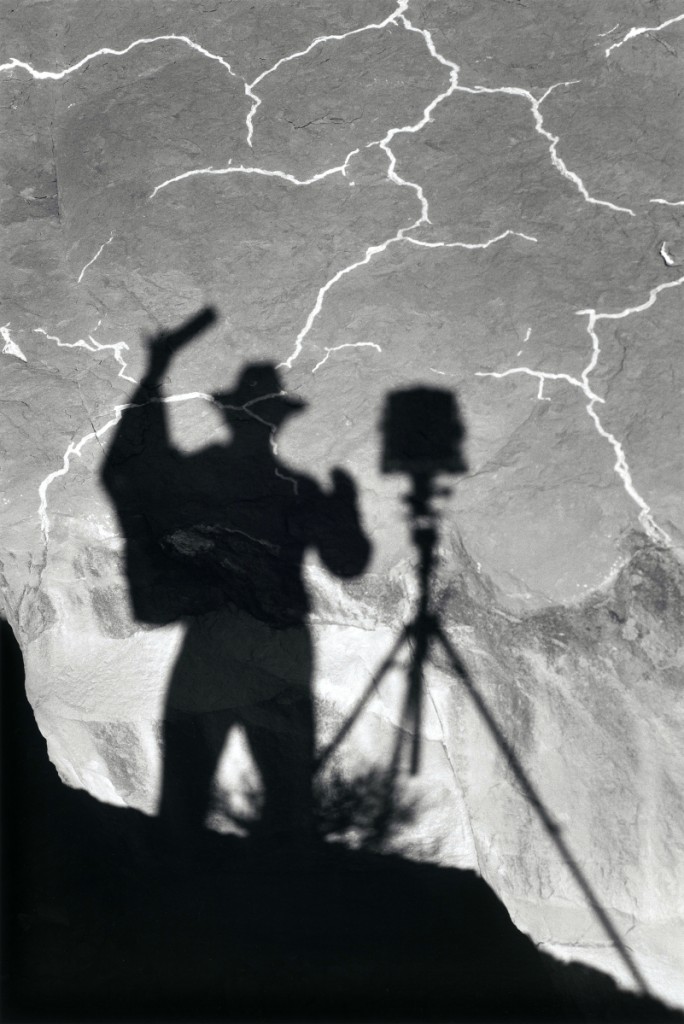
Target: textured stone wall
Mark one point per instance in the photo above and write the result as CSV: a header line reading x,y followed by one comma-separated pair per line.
x,y
480,197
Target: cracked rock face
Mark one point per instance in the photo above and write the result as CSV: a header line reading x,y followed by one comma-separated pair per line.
x,y
484,198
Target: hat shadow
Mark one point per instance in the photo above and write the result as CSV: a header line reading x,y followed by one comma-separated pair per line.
x,y
259,391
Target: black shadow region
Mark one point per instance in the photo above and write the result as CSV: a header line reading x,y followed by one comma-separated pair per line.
x,y
98,925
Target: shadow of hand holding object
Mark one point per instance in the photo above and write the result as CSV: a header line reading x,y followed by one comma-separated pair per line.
x,y
216,539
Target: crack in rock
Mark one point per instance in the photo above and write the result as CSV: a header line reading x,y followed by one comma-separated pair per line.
x,y
396,18
95,257
319,40
621,467
641,30
94,346
97,433
264,172
557,162
107,51
348,344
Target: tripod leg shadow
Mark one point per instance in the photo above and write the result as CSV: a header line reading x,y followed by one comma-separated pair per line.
x,y
550,825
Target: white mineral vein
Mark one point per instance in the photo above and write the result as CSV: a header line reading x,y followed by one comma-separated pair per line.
x,y
665,253
384,145
95,435
393,176
94,346
557,162
248,408
14,62
621,467
669,202
525,340
95,257
471,245
413,129
72,449
541,376
347,344
240,169
10,348
318,41
371,251
398,16
106,51
634,32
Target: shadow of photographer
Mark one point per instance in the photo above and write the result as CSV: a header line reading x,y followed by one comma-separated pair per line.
x,y
216,539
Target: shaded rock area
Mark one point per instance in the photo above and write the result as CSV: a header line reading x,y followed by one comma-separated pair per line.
x,y
479,197
105,920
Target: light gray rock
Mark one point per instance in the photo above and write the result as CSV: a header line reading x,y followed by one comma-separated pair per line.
x,y
375,197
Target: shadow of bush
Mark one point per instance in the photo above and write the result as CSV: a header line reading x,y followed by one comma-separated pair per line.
x,y
366,809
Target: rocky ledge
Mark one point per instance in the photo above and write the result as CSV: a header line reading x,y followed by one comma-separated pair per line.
x,y
479,200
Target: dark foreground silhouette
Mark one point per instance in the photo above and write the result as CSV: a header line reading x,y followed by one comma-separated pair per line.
x,y
100,922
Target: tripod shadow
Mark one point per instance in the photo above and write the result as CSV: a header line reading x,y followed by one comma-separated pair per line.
x,y
423,436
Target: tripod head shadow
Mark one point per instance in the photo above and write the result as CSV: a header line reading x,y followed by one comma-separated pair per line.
x,y
423,436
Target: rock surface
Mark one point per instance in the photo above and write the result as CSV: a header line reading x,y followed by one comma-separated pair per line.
x,y
375,196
